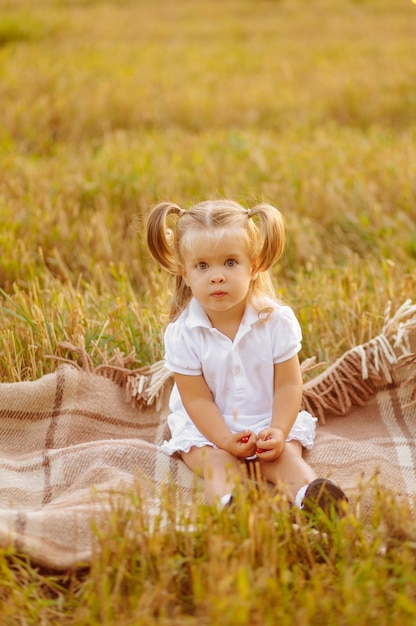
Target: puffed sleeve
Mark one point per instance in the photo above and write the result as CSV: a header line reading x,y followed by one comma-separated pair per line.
x,y
181,354
286,334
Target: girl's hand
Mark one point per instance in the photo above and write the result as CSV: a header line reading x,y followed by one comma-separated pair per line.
x,y
242,444
270,444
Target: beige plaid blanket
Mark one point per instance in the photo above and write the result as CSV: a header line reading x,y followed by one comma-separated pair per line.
x,y
71,438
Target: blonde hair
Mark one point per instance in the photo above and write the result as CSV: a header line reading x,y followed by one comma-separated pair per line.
x,y
172,232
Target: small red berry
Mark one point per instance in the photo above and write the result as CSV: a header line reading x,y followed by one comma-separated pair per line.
x,y
245,439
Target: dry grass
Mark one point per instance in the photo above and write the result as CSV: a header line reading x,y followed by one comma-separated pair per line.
x,y
260,564
110,107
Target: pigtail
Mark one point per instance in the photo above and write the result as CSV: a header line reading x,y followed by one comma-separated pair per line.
x,y
160,237
272,235
181,296
160,241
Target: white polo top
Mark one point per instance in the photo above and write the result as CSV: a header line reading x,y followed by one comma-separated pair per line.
x,y
239,373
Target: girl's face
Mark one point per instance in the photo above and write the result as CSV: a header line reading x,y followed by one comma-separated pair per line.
x,y
219,272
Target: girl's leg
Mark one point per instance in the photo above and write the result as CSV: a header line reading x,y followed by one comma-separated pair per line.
x,y
290,470
218,469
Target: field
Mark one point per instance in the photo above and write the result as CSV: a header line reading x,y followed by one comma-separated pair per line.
x,y
107,108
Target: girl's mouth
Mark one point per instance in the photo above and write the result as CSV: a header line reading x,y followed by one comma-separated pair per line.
x,y
218,294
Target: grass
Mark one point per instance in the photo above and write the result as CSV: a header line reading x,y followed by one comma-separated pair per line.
x,y
110,107
261,564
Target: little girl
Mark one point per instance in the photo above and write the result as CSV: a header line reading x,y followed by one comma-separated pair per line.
x,y
233,350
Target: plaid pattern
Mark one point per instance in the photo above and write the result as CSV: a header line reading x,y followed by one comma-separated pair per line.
x,y
377,438
71,430
61,435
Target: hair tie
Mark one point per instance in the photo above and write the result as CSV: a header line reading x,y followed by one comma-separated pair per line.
x,y
181,212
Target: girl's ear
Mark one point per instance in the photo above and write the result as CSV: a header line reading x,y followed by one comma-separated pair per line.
x,y
254,272
182,272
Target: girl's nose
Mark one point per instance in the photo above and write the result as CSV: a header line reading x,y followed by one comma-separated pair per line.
x,y
217,277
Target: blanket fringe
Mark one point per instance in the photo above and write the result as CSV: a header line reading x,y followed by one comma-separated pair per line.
x,y
143,385
351,380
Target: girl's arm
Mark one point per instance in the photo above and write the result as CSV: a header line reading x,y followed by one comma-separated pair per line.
x,y
287,398
197,400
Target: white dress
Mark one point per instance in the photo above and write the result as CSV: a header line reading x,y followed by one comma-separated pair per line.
x,y
239,373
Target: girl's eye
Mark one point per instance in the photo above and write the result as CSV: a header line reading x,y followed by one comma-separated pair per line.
x,y
230,262
202,265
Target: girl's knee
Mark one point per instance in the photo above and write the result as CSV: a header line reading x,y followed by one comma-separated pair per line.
x,y
219,462
199,459
293,447
217,455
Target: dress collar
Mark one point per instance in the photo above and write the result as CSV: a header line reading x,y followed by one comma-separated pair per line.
x,y
197,316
